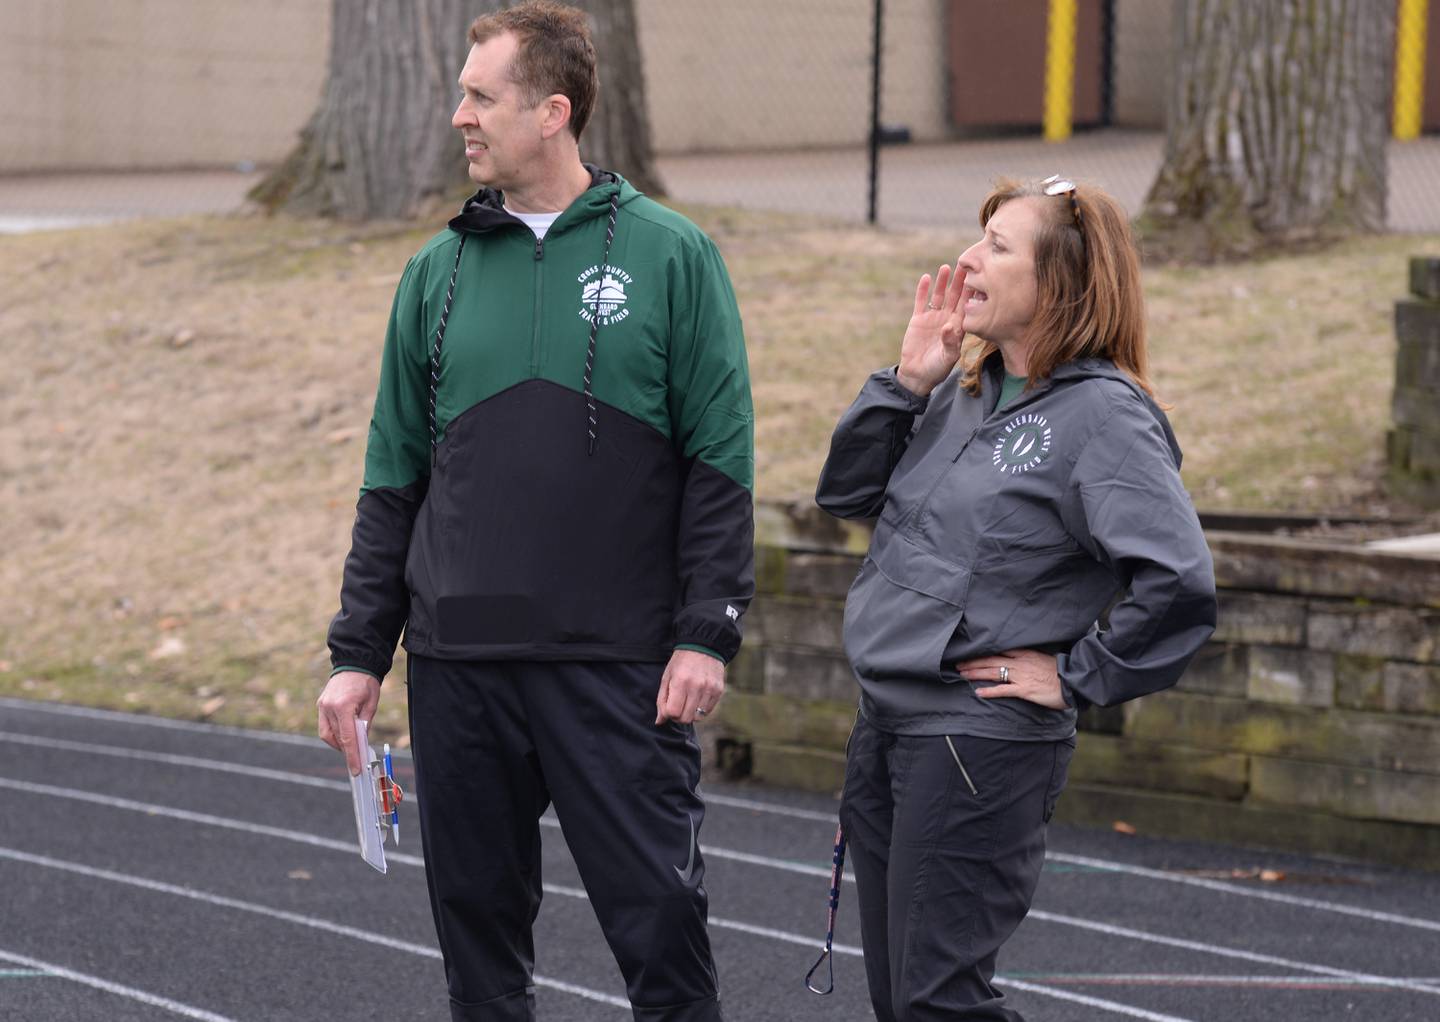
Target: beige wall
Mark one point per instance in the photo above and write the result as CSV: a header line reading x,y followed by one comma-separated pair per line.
x,y
137,84
108,84
1142,61
756,74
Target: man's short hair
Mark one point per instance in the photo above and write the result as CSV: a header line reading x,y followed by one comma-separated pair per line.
x,y
555,54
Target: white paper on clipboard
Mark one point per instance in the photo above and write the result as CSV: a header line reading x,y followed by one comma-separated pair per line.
x,y
367,812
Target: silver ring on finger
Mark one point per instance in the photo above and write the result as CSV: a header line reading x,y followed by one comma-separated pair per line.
x,y
1004,675
931,305
700,711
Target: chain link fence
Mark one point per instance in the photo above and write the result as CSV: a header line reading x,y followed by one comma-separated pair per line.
x,y
809,115
900,112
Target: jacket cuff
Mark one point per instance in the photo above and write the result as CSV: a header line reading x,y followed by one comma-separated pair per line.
x,y
720,641
891,379
695,647
380,677
1072,697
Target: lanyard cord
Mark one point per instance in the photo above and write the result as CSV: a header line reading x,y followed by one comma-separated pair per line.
x,y
837,873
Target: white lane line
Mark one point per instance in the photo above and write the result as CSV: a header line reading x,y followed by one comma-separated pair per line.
x,y
1112,866
324,925
1092,1002
730,801
1104,865
1225,952
206,819
153,1000
172,759
329,927
1108,866
1207,979
116,717
348,848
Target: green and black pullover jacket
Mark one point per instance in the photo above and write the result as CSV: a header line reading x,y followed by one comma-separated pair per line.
x,y
513,534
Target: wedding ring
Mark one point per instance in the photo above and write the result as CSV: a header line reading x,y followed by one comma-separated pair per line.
x,y
1004,675
700,711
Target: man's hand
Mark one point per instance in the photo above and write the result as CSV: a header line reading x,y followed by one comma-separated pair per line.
x,y
691,686
1019,674
347,695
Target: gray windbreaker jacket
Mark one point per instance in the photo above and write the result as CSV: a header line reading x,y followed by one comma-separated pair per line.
x,y
1016,529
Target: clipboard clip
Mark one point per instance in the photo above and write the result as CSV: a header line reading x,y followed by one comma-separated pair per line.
x,y
376,799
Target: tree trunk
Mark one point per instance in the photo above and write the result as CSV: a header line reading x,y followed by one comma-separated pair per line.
x,y
618,137
1277,126
380,144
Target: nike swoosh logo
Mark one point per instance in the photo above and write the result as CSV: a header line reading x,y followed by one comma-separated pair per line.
x,y
689,869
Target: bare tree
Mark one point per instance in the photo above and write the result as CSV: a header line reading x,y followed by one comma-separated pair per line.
x,y
1277,125
380,143
618,137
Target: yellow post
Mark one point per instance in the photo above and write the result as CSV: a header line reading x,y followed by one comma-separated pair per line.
x,y
1060,70
1410,68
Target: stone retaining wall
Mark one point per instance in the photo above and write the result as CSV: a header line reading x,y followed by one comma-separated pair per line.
x,y
1310,722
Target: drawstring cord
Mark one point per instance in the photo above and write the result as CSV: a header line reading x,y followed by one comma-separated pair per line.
x,y
435,351
595,321
589,351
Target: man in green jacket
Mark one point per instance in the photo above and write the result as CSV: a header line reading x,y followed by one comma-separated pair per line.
x,y
557,512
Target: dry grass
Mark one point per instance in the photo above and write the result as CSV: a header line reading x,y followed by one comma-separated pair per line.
x,y
185,402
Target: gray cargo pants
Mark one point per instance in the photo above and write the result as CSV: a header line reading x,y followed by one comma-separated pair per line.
x,y
947,847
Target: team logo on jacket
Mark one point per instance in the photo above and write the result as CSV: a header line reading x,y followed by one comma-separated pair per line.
x,y
602,288
1024,443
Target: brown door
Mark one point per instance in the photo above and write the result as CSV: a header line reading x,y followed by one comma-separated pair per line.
x,y
996,51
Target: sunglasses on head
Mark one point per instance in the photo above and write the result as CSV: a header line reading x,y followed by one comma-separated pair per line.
x,y
1057,185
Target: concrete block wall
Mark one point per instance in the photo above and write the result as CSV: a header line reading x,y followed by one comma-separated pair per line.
x,y
1310,722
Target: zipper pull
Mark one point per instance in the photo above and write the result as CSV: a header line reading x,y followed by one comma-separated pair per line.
x,y
539,248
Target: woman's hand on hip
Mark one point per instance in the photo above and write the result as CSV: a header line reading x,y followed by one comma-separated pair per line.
x,y
931,346
1017,674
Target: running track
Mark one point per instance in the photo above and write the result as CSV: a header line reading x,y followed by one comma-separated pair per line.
x,y
154,869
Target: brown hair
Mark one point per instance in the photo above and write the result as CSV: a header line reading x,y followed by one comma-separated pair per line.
x,y
1088,301
555,54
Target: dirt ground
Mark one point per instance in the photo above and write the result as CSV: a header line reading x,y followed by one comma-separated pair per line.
x,y
184,405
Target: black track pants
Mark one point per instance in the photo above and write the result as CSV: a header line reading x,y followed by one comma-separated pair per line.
x,y
944,873
494,744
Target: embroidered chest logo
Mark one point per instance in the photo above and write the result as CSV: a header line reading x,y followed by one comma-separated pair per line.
x,y
606,286
1024,444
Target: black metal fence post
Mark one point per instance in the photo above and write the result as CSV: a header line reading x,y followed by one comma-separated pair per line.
x,y
875,110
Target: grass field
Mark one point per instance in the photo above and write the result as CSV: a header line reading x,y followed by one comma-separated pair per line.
x,y
184,406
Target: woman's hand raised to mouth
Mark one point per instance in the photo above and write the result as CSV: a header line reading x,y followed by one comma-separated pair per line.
x,y
931,346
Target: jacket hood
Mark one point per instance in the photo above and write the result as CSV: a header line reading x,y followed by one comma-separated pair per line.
x,y
485,210
1085,369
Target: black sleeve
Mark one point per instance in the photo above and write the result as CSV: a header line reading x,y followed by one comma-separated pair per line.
x,y
374,601
866,446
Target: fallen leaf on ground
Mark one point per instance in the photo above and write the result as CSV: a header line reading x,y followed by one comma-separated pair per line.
x,y
171,645
1121,827
210,706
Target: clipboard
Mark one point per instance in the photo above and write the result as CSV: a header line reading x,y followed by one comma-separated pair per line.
x,y
367,807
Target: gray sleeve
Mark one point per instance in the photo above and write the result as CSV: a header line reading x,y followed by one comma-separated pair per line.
x,y
1127,506
867,444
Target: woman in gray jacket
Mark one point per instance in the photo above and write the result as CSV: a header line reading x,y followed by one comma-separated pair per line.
x,y
1024,482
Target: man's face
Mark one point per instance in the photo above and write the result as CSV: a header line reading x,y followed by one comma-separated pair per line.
x,y
502,134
